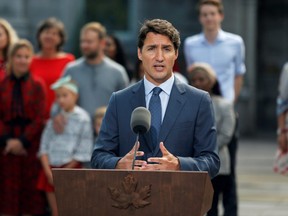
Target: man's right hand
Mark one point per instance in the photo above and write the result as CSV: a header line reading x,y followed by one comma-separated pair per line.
x,y
127,160
59,123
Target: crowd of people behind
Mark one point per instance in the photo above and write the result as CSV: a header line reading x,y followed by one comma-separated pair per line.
x,y
49,102
31,132
52,104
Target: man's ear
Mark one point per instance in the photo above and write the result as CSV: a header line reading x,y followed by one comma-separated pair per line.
x,y
176,54
139,54
222,17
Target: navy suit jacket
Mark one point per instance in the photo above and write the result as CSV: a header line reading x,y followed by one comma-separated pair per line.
x,y
188,129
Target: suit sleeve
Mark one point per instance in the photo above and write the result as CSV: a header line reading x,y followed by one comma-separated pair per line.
x,y
205,156
107,145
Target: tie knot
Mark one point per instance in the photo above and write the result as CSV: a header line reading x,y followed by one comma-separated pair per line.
x,y
157,90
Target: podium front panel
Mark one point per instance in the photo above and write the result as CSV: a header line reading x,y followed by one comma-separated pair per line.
x,y
119,192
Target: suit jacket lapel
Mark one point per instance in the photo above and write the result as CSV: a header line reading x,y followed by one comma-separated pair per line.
x,y
137,100
175,105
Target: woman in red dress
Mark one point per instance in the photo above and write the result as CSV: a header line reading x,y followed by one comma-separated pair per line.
x,y
50,62
7,38
22,99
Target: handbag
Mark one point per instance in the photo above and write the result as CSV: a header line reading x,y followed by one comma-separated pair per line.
x,y
281,162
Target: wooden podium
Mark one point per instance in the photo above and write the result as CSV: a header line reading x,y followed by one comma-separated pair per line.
x,y
87,192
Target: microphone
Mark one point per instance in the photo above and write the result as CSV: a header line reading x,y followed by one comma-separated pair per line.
x,y
140,124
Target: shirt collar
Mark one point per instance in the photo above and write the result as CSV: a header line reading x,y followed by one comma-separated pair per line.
x,y
166,86
22,78
220,36
74,112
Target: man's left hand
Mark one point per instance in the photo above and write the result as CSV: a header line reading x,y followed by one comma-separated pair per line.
x,y
167,162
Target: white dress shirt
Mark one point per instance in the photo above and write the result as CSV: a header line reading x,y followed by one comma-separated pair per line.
x,y
164,94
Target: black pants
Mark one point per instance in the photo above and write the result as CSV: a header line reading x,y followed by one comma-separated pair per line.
x,y
228,188
233,147
222,184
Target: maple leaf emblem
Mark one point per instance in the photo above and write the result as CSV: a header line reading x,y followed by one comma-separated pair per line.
x,y
128,195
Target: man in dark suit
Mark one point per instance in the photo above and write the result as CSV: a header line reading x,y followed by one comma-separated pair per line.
x,y
186,138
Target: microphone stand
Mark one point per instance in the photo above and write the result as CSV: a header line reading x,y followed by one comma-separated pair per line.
x,y
135,150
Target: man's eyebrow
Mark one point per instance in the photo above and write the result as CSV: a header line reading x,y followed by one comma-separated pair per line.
x,y
167,45
163,45
151,45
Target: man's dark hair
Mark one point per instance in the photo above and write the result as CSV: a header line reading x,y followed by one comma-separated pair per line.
x,y
162,27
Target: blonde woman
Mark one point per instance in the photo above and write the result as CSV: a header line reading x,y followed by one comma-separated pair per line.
x,y
8,36
22,99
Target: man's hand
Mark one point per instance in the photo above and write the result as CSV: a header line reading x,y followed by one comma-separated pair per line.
x,y
14,146
59,123
167,162
127,160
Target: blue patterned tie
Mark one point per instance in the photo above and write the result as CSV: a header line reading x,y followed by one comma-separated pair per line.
x,y
156,114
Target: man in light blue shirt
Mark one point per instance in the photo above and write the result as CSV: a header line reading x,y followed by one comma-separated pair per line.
x,y
222,50
225,53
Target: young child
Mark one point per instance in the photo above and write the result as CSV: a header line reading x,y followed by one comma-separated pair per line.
x,y
70,148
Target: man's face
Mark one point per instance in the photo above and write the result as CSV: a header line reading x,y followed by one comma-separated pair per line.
x,y
210,18
91,45
158,56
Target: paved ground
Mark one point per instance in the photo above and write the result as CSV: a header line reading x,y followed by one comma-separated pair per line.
x,y
261,192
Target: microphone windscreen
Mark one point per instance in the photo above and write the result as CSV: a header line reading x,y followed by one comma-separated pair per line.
x,y
140,120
